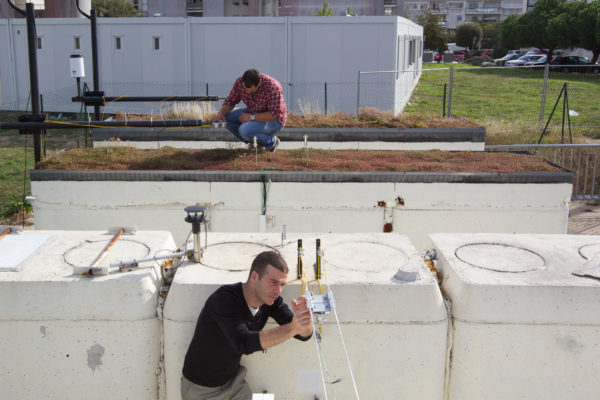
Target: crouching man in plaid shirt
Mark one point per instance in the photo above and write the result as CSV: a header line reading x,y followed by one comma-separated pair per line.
x,y
265,113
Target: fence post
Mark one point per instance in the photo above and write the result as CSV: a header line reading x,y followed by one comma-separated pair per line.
x,y
325,98
207,88
358,94
544,92
450,84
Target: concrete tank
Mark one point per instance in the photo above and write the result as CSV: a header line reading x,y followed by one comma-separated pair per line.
x,y
66,336
525,327
395,330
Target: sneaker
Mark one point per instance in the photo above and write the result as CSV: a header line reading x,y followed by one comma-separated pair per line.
x,y
274,148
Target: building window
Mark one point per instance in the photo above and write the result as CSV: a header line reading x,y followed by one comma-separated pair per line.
x,y
156,40
458,18
236,2
118,43
76,42
39,43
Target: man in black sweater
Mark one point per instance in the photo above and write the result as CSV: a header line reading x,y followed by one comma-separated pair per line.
x,y
231,323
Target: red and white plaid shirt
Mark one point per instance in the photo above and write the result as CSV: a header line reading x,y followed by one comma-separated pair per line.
x,y
267,97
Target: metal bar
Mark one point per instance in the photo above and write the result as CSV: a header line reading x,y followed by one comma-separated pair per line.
x,y
319,260
358,95
444,102
95,69
33,79
587,166
104,252
113,99
595,171
102,124
135,262
325,98
451,84
300,273
544,92
5,232
578,167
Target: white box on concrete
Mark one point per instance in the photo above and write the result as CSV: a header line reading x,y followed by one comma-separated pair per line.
x,y
65,336
524,326
395,331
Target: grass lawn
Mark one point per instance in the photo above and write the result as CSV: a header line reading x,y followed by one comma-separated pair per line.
x,y
507,100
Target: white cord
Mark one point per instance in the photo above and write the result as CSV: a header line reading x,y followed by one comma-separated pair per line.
x,y
318,353
346,351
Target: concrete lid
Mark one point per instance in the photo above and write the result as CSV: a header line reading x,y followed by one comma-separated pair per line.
x,y
519,278
359,267
43,285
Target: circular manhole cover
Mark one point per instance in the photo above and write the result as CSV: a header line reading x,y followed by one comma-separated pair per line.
x,y
85,253
364,256
500,257
233,256
590,251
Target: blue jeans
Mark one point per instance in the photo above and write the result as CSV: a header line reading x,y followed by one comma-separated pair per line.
x,y
264,131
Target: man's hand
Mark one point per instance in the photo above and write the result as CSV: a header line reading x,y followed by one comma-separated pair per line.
x,y
244,117
220,117
301,318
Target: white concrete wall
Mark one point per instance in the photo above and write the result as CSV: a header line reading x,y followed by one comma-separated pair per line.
x,y
304,51
65,336
531,334
306,207
395,331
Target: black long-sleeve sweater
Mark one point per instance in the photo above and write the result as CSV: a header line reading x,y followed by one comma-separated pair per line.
x,y
226,330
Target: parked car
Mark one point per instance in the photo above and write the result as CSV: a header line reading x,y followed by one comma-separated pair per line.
x,y
522,60
482,52
518,52
533,52
508,57
459,55
437,56
538,60
574,64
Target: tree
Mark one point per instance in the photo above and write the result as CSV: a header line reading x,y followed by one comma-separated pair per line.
x,y
583,26
492,38
435,36
468,34
114,8
544,27
326,11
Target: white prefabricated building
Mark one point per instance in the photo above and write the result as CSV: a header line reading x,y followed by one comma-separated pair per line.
x,y
196,56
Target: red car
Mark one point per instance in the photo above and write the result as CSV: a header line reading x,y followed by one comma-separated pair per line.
x,y
459,55
483,52
437,56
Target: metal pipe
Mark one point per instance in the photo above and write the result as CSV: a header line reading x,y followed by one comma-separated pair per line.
x,y
141,260
450,85
102,100
102,124
95,69
5,232
33,79
104,252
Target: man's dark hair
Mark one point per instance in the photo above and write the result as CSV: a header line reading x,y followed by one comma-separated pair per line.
x,y
251,78
265,259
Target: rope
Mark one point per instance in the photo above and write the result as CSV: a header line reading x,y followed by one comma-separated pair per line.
x,y
346,352
319,354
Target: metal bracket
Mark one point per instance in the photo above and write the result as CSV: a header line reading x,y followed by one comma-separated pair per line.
x,y
320,303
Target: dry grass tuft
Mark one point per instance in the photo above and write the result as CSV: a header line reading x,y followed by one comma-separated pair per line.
x,y
367,118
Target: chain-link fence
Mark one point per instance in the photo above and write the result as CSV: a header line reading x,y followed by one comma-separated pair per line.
x,y
526,96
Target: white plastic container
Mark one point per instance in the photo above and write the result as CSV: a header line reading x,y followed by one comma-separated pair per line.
x,y
65,336
525,327
395,331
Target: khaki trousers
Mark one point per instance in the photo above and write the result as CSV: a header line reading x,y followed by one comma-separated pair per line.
x,y
235,389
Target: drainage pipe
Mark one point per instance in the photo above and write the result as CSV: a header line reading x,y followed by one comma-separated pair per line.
x,y
49,124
